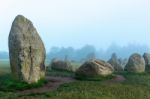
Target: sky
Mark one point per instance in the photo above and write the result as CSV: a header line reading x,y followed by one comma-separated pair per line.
x,y
79,22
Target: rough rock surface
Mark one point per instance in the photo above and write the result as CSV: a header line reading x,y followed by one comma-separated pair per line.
x,y
147,61
135,63
114,61
26,51
61,65
94,68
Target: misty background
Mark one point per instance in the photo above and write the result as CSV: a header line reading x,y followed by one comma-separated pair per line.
x,y
77,29
89,51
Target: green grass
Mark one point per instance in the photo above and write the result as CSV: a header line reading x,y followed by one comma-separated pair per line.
x,y
95,90
142,79
93,78
136,86
4,67
8,84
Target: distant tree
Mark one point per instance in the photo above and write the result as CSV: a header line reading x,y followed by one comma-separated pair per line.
x,y
88,50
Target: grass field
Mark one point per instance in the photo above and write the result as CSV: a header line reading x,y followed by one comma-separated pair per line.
x,y
4,66
136,86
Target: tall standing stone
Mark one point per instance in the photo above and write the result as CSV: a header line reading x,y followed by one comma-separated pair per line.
x,y
26,51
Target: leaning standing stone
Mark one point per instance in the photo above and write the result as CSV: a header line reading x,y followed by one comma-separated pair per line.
x,y
26,51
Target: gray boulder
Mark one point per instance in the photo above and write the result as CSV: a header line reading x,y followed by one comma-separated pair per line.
x,y
61,65
95,68
135,64
147,61
123,62
26,51
114,61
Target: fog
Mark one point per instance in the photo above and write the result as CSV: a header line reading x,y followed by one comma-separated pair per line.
x,y
108,26
88,51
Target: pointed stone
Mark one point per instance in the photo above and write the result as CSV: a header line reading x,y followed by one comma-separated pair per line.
x,y
26,51
114,61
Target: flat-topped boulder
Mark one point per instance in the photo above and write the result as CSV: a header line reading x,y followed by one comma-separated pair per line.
x,y
26,51
95,68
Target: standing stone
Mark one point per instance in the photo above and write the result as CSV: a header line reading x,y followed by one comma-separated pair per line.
x,y
135,64
123,62
114,61
147,61
26,51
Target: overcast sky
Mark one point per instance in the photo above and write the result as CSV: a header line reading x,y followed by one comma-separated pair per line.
x,y
79,22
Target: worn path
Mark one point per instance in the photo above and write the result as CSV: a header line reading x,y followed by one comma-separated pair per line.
x,y
53,84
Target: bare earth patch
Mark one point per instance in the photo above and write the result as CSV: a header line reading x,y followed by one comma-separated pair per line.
x,y
53,84
117,79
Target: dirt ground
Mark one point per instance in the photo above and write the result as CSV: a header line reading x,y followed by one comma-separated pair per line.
x,y
116,79
55,82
